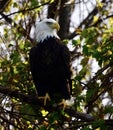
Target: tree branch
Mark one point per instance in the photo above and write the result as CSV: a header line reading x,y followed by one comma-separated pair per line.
x,y
9,122
3,4
26,10
87,21
20,29
32,99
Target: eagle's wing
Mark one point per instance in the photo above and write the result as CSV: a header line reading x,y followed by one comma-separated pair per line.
x,y
32,57
67,65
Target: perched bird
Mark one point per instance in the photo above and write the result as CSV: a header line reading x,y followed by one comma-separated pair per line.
x,y
50,63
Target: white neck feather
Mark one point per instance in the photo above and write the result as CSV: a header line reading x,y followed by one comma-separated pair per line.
x,y
40,36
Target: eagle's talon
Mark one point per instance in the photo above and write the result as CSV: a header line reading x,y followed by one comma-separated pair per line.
x,y
63,103
67,103
45,98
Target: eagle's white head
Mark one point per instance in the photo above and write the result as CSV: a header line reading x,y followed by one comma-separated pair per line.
x,y
46,28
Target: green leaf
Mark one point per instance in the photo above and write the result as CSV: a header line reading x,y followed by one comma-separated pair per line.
x,y
86,50
108,109
84,61
53,117
99,124
15,57
42,128
75,42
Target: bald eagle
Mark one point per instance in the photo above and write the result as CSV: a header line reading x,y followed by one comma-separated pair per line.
x,y
50,63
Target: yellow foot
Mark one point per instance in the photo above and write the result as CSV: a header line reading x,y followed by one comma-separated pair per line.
x,y
45,98
63,103
67,103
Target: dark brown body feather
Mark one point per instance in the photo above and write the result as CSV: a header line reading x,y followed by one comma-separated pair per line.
x,y
50,67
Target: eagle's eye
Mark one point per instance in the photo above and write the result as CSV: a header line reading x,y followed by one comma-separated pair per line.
x,y
49,22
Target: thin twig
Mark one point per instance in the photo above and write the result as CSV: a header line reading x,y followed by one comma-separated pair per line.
x,y
26,10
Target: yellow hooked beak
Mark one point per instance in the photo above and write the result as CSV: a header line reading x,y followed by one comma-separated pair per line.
x,y
55,26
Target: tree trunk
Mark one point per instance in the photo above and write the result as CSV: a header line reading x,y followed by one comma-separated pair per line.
x,y
53,9
65,13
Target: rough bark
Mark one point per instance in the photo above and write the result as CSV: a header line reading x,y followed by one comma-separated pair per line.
x,y
53,9
65,13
